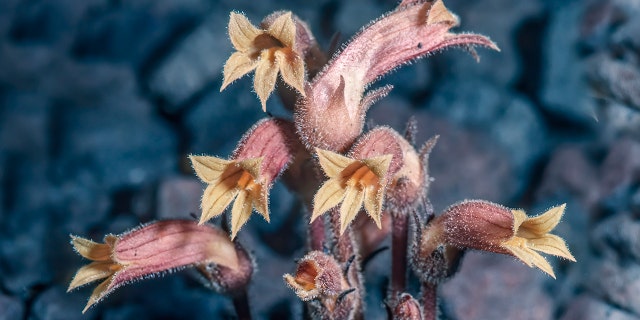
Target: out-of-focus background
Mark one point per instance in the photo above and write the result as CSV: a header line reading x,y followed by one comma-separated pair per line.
x,y
101,101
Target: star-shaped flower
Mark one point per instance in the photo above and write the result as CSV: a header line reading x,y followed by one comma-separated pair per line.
x,y
491,227
228,180
261,156
268,52
354,183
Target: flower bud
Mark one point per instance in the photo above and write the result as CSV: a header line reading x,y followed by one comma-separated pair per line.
x,y
320,277
491,227
407,308
331,115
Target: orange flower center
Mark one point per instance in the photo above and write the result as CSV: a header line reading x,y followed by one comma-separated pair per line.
x,y
247,182
362,178
265,42
306,275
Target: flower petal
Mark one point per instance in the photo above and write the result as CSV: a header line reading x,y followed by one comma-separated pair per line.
x,y
350,207
291,68
284,29
373,198
242,32
327,197
209,169
545,222
91,250
528,256
439,13
94,271
252,166
238,64
240,212
218,196
264,80
260,200
332,163
98,293
551,244
379,165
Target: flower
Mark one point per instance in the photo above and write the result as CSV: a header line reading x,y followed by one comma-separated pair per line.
x,y
152,249
491,227
318,274
320,277
267,52
354,183
332,113
229,180
262,154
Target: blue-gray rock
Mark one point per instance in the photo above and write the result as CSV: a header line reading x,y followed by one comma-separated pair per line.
x,y
56,304
23,256
619,234
126,312
586,307
11,308
25,125
119,141
179,197
509,290
564,92
511,121
52,73
500,20
617,283
195,63
217,122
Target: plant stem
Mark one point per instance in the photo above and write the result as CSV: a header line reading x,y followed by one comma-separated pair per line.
x,y
241,304
317,237
429,301
399,241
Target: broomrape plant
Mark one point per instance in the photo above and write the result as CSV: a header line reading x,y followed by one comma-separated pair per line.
x,y
338,170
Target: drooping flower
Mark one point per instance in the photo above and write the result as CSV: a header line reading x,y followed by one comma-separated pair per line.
x,y
353,183
268,52
155,248
261,156
491,227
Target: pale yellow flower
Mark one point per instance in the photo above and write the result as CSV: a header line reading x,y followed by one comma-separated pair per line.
x,y
353,183
268,52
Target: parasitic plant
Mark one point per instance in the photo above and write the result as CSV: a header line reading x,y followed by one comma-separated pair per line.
x,y
340,172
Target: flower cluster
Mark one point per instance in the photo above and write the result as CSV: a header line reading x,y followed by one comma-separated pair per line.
x,y
339,170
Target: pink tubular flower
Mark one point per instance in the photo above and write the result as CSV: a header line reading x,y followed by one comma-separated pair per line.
x,y
331,115
260,157
155,248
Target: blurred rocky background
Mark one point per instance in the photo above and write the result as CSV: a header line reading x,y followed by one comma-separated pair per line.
x,y
101,101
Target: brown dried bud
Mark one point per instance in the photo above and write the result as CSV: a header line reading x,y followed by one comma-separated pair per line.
x,y
152,249
331,116
320,277
262,154
491,227
407,308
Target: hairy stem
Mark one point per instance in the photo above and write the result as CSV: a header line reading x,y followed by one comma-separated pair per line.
x,y
399,241
429,293
317,238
